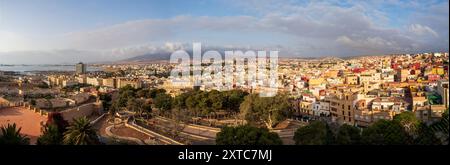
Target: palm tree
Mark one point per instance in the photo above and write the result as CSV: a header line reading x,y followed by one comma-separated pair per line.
x,y
50,136
80,132
11,136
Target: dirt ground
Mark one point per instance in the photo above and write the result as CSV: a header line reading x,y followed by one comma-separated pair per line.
x,y
28,120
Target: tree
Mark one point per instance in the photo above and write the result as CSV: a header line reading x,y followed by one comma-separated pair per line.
x,y
179,102
316,133
139,106
384,132
163,102
267,111
409,122
348,135
426,136
106,101
143,93
56,118
247,135
50,136
154,92
234,98
441,127
80,132
11,136
147,107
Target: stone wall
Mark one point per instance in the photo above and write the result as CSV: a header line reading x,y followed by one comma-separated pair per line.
x,y
83,110
3,103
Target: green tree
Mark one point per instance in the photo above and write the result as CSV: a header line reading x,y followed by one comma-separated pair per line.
x,y
50,136
106,101
143,93
11,136
426,136
56,118
348,135
139,106
441,127
163,102
80,132
384,132
179,102
316,133
147,107
247,135
267,111
234,98
409,122
154,92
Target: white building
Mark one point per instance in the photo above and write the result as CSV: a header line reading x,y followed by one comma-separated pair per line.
x,y
321,108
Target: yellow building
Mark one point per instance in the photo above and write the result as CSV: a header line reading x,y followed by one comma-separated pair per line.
x,y
438,71
341,107
351,80
316,82
331,73
364,116
306,108
135,83
109,82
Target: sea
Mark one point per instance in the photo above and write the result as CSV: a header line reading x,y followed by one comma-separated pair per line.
x,y
38,68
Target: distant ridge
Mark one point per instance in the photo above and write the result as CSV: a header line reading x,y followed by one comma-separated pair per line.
x,y
165,57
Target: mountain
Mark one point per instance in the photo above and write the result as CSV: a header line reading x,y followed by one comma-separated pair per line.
x,y
149,57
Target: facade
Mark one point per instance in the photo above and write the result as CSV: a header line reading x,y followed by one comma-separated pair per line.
x,y
341,107
109,82
80,68
135,83
442,89
321,108
94,81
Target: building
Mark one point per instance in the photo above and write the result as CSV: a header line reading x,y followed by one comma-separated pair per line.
x,y
135,83
69,82
402,75
442,89
109,82
341,107
94,81
80,68
430,113
321,108
351,80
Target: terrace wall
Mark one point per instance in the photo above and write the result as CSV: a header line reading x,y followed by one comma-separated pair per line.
x,y
83,110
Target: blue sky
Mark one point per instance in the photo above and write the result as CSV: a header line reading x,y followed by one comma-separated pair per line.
x,y
93,30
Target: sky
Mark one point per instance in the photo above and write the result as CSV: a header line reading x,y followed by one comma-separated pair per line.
x,y
68,31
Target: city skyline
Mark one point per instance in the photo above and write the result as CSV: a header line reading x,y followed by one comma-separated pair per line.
x,y
94,31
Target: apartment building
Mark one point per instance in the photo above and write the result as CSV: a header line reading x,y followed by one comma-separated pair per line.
x,y
135,83
341,107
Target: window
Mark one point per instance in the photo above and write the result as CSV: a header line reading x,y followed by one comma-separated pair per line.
x,y
348,108
349,114
344,118
343,113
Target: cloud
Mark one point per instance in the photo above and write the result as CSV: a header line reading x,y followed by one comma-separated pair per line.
x,y
316,28
11,41
422,30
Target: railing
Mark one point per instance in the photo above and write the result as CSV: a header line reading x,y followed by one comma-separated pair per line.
x,y
133,125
